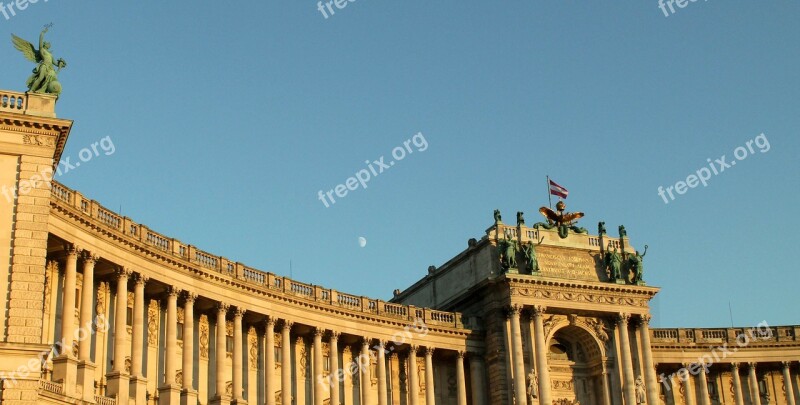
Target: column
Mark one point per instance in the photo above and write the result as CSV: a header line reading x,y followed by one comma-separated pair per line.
x,y
383,392
737,384
607,388
689,391
703,381
413,376
787,382
335,375
138,383
319,373
516,354
238,381
461,384
477,370
364,364
86,367
755,393
169,392
286,364
65,366
188,394
541,355
649,368
430,394
269,355
220,396
118,379
627,363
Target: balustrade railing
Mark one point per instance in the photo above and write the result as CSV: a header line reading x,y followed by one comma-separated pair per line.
x,y
12,101
65,196
50,386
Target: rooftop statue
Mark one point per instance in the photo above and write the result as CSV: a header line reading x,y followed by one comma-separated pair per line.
x,y
45,75
564,221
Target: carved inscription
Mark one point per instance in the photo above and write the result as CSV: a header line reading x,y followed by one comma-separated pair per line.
x,y
569,265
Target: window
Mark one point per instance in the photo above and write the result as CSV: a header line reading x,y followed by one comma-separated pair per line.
x,y
229,344
129,316
326,364
278,355
180,331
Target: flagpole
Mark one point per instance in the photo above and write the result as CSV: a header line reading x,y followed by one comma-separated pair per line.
x,y
549,195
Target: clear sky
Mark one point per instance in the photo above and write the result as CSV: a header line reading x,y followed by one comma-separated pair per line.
x,y
228,118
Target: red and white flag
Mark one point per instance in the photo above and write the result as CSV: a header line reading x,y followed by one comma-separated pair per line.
x,y
557,190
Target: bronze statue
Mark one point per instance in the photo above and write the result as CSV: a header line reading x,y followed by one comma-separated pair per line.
x,y
601,228
520,218
508,253
613,263
622,232
531,264
563,220
637,265
45,76
497,217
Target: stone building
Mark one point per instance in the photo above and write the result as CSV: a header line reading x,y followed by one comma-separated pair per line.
x,y
100,309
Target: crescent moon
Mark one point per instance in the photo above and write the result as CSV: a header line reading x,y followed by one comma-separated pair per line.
x,y
362,241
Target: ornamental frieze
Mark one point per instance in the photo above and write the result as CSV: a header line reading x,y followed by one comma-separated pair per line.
x,y
577,297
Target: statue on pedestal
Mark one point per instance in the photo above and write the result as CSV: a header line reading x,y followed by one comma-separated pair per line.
x,y
508,253
45,75
533,387
613,263
497,216
637,265
641,393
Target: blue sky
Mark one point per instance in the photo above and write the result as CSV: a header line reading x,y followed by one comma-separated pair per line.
x,y
228,118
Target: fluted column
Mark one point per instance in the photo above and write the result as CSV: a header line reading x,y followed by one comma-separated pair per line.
x,y
518,363
787,382
413,377
383,391
628,388
364,363
169,390
738,397
269,355
86,367
138,383
220,396
430,393
65,365
238,351
647,355
85,345
286,363
319,373
461,384
703,381
68,301
542,370
189,395
334,345
477,373
755,393
118,379
689,390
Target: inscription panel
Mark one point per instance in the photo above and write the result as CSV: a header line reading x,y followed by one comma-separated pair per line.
x,y
570,264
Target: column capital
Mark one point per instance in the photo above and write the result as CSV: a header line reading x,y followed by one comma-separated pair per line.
x,y
538,310
239,312
335,335
139,278
287,324
751,366
190,297
72,249
786,364
319,332
382,343
269,324
89,257
643,320
514,310
622,318
223,307
735,367
412,349
461,354
173,291
365,341
429,350
123,272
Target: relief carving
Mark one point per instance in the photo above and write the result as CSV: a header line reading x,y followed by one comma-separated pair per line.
x,y
204,336
152,323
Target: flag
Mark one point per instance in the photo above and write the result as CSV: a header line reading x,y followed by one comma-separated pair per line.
x,y
557,190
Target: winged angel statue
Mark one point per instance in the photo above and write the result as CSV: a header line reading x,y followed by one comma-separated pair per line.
x,y
45,76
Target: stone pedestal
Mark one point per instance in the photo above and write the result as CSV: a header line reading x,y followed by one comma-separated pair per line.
x,y
169,394
138,390
218,400
119,385
86,380
65,370
188,397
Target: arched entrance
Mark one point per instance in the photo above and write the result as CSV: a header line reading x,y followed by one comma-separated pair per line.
x,y
575,359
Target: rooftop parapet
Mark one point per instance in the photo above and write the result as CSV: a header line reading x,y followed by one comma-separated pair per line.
x,y
40,105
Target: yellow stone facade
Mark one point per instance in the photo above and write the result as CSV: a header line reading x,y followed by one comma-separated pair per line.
x,y
100,309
